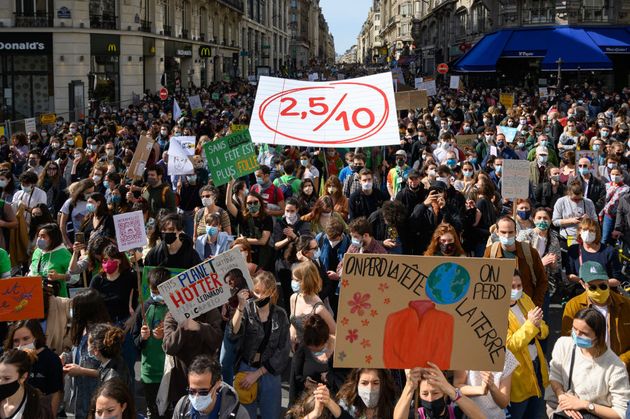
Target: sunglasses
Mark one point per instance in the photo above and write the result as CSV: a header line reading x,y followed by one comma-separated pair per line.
x,y
201,392
602,287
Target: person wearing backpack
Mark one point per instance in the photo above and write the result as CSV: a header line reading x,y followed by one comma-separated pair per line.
x,y
159,194
288,183
272,195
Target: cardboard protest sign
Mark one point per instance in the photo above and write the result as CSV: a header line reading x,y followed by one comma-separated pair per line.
x,y
21,298
506,99
313,77
509,132
348,113
454,82
146,289
140,157
180,152
399,311
30,125
195,104
130,231
231,157
206,286
429,86
411,100
543,92
238,128
465,139
515,179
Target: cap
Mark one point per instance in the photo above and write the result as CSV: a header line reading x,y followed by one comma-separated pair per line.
x,y
593,271
401,153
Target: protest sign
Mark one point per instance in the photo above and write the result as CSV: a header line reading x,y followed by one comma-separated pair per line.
x,y
231,157
506,99
21,298
454,82
589,154
429,86
397,76
180,152
216,96
465,139
238,128
195,104
146,289
399,311
30,125
509,132
411,100
206,286
140,157
417,82
130,231
543,92
349,113
341,76
313,77
515,179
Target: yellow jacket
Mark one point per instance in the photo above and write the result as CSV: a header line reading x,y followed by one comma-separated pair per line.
x,y
524,382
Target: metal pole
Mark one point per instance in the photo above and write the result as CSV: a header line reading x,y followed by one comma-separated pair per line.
x,y
559,83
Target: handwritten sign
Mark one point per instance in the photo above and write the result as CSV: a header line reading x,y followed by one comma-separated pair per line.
x,y
417,82
404,311
238,128
140,157
515,179
216,96
180,152
465,139
146,288
231,157
206,286
506,99
30,125
454,82
130,231
195,104
411,100
21,298
429,86
509,132
349,113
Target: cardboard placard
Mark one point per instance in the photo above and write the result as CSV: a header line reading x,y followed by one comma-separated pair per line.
x,y
140,157
515,179
205,286
465,139
454,82
21,298
411,100
30,125
180,152
399,311
238,128
146,289
429,86
506,99
195,104
130,230
231,157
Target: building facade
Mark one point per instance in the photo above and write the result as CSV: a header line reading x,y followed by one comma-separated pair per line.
x,y
369,45
311,43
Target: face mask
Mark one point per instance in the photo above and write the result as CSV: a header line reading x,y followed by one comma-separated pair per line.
x,y
163,132
152,182
157,298
617,179
507,241
542,159
357,242
555,178
262,302
498,169
332,190
583,171
260,180
447,248
42,244
110,266
581,341
587,236
451,162
489,138
253,208
467,173
27,346
206,202
599,296
110,153
304,163
520,144
27,189
319,353
367,186
70,142
516,295
90,207
434,408
500,144
200,403
400,162
96,179
523,215
431,172
611,165
4,183
295,286
212,231
542,225
9,389
73,130
442,179
369,397
308,190
605,134
192,178
291,217
169,238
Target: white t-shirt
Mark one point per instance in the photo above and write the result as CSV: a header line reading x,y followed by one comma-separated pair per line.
x,y
78,212
520,316
311,173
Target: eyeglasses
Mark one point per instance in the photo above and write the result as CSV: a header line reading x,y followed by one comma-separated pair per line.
x,y
583,165
201,392
594,287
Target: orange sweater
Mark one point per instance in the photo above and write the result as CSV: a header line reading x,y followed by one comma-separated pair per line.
x,y
417,335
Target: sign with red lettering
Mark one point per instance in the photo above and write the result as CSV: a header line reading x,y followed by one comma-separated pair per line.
x,y
357,112
206,286
21,298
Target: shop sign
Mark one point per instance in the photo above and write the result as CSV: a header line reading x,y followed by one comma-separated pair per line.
x,y
524,54
205,52
25,43
104,44
64,13
183,52
616,50
48,118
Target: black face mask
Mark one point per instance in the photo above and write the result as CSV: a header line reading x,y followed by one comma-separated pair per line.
x,y
9,389
169,238
263,302
434,409
447,248
136,194
62,156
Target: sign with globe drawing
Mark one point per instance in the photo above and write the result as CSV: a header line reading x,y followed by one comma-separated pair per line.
x,y
400,312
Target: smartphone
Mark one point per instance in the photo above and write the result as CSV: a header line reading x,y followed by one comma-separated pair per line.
x,y
79,237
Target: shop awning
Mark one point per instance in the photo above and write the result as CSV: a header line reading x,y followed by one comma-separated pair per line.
x,y
611,40
578,47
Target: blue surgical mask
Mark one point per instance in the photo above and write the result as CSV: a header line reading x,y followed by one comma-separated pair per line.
x,y
90,207
295,286
498,169
157,298
357,242
507,241
42,244
581,341
317,254
212,231
583,170
260,180
319,353
451,162
200,403
106,184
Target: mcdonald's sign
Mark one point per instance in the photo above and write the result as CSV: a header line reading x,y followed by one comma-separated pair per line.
x,y
112,48
205,52
104,44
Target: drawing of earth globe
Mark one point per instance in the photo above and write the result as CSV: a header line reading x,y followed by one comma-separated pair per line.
x,y
447,283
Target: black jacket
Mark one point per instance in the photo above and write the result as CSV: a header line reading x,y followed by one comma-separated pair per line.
x,y
362,205
596,192
185,258
411,198
545,196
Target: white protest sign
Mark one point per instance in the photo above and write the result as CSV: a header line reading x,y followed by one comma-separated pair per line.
x,y
454,82
509,132
130,231
357,112
543,92
417,82
180,151
429,86
313,77
515,179
195,104
30,125
206,286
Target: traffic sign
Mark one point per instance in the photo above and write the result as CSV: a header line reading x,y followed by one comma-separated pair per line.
x,y
442,68
163,93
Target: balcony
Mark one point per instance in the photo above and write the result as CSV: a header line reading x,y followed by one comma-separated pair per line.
x,y
34,20
103,21
594,14
202,37
167,30
184,33
145,26
235,4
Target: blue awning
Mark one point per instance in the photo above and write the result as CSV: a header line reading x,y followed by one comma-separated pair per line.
x,y
578,47
484,55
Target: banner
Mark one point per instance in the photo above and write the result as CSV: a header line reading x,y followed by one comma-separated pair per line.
x,y
130,230
21,298
400,312
146,289
140,157
411,99
515,179
180,152
350,113
231,157
206,286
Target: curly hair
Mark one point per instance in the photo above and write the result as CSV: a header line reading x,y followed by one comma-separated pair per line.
x,y
107,339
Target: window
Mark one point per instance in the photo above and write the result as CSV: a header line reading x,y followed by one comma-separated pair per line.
x,y
103,14
404,9
508,14
460,23
34,13
540,11
594,10
203,23
479,18
185,18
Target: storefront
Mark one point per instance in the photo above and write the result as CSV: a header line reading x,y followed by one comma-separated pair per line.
x,y
205,57
177,63
26,74
104,74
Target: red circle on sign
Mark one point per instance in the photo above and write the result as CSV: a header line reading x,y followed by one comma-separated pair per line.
x,y
375,126
163,93
442,68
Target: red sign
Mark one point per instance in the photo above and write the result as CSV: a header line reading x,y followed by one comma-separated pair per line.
x,y
21,298
442,68
163,93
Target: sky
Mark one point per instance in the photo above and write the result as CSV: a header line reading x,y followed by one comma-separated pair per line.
x,y
345,18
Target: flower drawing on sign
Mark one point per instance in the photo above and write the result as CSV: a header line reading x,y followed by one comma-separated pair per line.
x,y
383,286
342,355
359,303
365,322
345,283
368,359
353,334
365,343
373,312
344,321
386,301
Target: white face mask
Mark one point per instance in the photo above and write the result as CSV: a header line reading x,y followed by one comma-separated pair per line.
x,y
206,202
366,186
587,236
369,397
291,217
27,346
